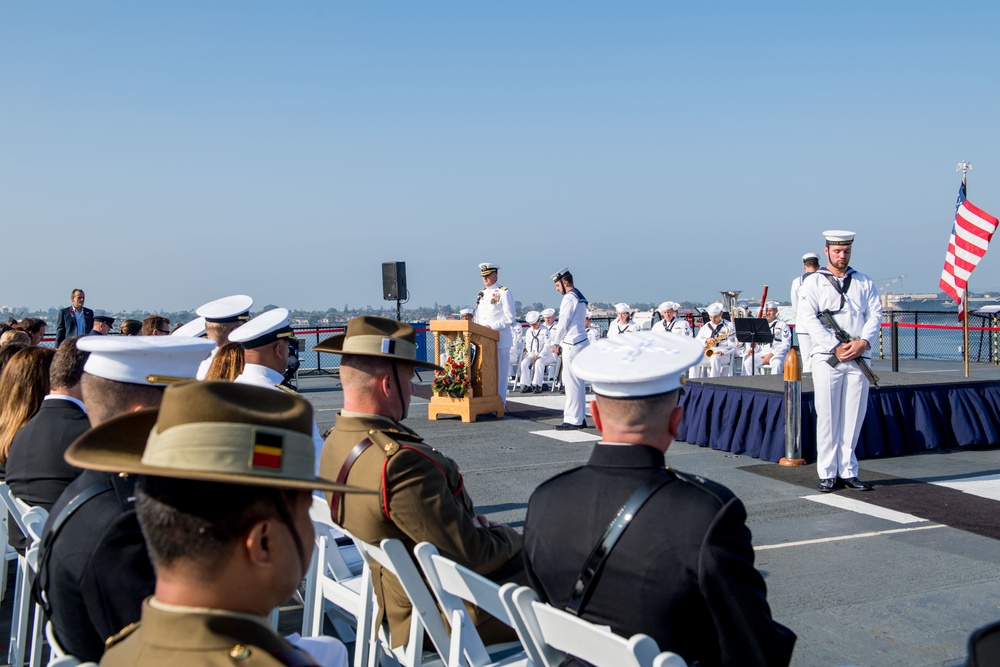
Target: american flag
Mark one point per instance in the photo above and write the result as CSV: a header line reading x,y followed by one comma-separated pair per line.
x,y
970,237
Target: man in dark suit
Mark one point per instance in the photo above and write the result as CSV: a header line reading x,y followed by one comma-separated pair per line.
x,y
75,320
94,571
682,570
37,473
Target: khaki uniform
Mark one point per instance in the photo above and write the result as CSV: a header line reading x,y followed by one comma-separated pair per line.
x,y
168,639
423,499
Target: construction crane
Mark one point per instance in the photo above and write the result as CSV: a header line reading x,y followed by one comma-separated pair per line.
x,y
892,281
884,294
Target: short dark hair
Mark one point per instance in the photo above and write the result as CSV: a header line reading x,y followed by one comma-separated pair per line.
x,y
153,322
200,521
568,277
109,398
75,291
32,324
67,366
811,262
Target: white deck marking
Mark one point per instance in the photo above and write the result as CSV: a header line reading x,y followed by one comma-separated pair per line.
x,y
544,400
569,436
856,536
861,507
987,486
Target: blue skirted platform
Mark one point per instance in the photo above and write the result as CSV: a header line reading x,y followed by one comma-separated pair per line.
x,y
909,413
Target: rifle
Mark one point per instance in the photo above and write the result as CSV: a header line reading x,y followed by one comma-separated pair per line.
x,y
826,318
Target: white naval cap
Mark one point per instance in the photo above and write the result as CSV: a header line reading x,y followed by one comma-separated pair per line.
x,y
466,311
810,255
590,314
643,364
263,329
549,312
486,268
772,304
666,305
838,237
621,308
235,308
714,309
531,316
559,274
193,329
157,360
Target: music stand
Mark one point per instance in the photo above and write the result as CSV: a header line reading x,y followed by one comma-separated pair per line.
x,y
753,330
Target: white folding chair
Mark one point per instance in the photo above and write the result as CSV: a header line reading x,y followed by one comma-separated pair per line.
x,y
424,620
34,520
452,584
333,587
19,610
557,633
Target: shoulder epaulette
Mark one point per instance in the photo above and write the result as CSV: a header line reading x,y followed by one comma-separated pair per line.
x,y
503,288
716,490
287,390
122,634
388,440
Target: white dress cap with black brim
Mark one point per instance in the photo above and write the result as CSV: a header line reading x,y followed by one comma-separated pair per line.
x,y
559,274
643,364
486,268
193,329
147,360
264,329
838,237
235,308
810,255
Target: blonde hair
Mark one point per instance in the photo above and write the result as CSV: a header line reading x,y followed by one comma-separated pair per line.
x,y
24,382
227,364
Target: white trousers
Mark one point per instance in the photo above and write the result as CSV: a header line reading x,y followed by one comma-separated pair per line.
x,y
503,367
805,350
841,399
575,411
755,362
532,371
718,365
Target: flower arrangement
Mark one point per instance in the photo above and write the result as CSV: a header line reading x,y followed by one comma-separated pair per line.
x,y
454,379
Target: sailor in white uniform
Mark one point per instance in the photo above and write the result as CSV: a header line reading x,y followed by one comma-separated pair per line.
x,y
719,338
569,340
221,317
670,322
536,348
623,323
810,264
840,392
265,341
593,331
769,356
495,310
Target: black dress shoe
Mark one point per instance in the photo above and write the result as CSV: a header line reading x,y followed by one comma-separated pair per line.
x,y
566,426
856,484
826,485
538,390
526,389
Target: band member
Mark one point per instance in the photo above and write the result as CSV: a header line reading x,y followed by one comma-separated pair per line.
x,y
719,338
623,323
670,322
769,355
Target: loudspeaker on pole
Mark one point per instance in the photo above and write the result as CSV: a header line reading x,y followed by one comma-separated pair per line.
x,y
394,281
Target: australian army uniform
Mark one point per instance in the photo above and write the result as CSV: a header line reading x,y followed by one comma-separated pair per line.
x,y
421,497
212,638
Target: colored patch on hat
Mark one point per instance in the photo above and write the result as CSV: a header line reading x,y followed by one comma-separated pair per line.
x,y
267,450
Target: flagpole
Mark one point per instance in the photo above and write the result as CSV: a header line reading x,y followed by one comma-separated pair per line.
x,y
964,167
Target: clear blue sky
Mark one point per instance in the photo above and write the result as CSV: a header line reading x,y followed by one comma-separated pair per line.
x,y
160,155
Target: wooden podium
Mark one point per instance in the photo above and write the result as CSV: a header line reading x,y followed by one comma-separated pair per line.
x,y
482,398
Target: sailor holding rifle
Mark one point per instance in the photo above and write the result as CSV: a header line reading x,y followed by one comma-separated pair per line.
x,y
848,300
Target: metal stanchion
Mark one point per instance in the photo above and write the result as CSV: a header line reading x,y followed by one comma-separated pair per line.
x,y
895,347
793,411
